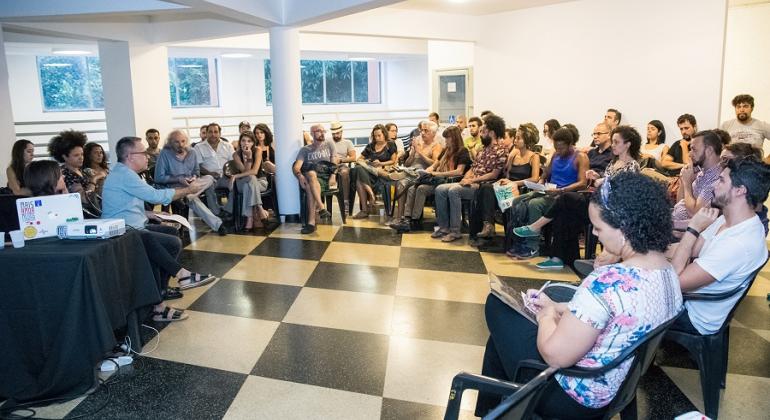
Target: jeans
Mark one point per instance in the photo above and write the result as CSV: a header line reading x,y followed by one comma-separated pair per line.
x,y
449,205
200,209
211,195
415,200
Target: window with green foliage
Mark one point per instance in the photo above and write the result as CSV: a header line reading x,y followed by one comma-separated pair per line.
x,y
72,83
334,82
192,81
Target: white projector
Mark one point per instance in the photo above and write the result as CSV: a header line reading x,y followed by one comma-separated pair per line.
x,y
92,229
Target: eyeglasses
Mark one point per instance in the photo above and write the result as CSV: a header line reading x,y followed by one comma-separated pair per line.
x,y
139,153
599,133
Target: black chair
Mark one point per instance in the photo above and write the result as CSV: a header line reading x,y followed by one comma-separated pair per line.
x,y
711,351
518,405
9,217
271,193
643,352
326,196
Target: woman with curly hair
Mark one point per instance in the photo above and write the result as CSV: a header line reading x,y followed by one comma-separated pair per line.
x,y
22,153
522,164
67,149
614,307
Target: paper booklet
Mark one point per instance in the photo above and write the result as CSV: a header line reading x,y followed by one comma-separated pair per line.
x,y
518,300
175,218
535,186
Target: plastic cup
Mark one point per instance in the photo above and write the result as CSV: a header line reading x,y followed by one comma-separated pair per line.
x,y
2,240
382,212
17,238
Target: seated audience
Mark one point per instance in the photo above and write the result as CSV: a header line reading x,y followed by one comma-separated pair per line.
x,y
204,130
124,197
567,171
152,136
377,155
423,153
678,155
346,154
569,213
743,151
473,141
250,179
212,155
698,185
243,127
309,174
612,117
453,161
522,164
95,164
614,307
44,177
510,135
22,153
488,166
177,167
67,149
401,145
726,248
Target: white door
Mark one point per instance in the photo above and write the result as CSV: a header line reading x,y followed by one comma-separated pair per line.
x,y
452,94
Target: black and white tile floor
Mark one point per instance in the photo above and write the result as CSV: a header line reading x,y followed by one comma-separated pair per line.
x,y
358,322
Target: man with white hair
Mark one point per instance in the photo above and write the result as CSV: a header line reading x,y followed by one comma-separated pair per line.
x,y
424,151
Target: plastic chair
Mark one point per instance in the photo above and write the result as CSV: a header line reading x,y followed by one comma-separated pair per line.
x,y
643,352
518,405
711,351
326,196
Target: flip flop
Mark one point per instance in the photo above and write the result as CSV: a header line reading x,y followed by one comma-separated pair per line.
x,y
169,314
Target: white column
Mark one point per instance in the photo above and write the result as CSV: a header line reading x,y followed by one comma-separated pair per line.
x,y
7,129
287,113
135,88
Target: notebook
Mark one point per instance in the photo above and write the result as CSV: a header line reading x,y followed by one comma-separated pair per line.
x,y
39,216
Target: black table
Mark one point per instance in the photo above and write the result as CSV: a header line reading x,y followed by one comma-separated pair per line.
x,y
60,301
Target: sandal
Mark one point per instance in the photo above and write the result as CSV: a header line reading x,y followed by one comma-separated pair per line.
x,y
169,314
171,293
195,280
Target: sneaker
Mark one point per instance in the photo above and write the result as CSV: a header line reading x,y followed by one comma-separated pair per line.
x,y
488,231
525,232
526,253
550,264
307,229
361,215
222,231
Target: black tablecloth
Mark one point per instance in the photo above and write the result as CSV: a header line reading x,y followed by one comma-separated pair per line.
x,y
60,301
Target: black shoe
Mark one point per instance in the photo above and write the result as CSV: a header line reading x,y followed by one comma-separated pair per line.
x,y
307,229
226,216
222,231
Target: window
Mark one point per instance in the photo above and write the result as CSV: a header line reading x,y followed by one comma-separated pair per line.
x,y
192,82
72,83
334,82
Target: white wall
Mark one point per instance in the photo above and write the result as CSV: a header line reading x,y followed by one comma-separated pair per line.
x,y
655,59
747,60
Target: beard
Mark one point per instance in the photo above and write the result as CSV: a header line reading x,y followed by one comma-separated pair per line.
x,y
720,201
742,116
686,137
486,140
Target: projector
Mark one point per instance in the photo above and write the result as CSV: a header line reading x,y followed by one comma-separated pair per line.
x,y
92,229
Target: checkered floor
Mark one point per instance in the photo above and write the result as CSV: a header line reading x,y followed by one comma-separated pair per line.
x,y
359,322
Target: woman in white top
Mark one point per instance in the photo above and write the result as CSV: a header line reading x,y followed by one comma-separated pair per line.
x,y
656,141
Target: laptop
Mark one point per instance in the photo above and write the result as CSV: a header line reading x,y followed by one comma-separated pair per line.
x,y
39,216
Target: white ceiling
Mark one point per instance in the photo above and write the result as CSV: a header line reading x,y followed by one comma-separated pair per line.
x,y
473,7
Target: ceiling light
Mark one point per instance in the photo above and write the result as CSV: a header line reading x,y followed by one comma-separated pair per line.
x,y
236,55
60,51
361,59
190,66
57,65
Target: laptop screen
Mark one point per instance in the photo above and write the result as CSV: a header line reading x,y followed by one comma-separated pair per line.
x,y
39,216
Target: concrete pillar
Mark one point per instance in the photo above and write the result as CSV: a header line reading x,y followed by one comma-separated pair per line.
x,y
287,113
7,129
135,88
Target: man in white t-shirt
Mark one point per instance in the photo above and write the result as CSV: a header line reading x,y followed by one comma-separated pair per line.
x,y
744,129
212,156
727,248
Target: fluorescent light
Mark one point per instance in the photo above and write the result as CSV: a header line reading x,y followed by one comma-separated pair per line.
x,y
236,55
190,66
361,59
60,51
57,65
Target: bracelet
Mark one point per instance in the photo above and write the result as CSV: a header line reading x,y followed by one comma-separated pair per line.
x,y
694,232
